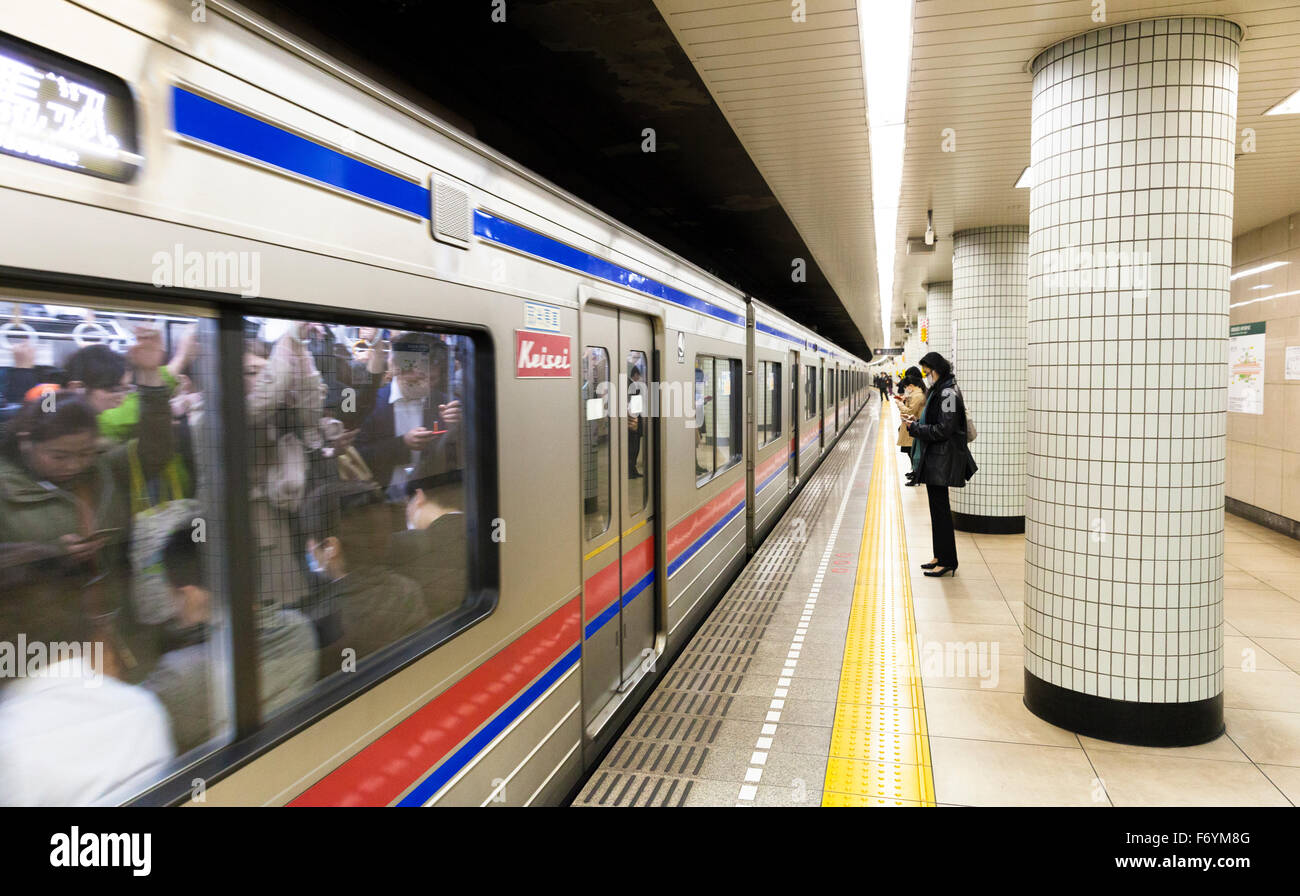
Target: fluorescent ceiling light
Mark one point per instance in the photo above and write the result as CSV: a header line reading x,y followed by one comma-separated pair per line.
x,y
1263,286
885,33
1259,269
1288,106
1024,183
1280,295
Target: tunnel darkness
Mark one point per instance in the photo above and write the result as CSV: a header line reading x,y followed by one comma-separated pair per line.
x,y
567,88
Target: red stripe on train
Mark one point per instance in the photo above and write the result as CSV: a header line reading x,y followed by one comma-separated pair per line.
x,y
685,533
601,590
382,771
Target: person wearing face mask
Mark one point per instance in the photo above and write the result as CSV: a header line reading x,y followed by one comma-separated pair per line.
x,y
941,459
360,603
911,400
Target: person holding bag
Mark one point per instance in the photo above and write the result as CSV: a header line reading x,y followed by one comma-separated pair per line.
x,y
910,402
940,456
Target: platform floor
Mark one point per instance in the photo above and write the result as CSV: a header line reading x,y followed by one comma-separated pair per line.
x,y
834,673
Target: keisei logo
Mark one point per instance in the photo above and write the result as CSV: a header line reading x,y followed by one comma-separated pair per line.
x,y
88,850
541,355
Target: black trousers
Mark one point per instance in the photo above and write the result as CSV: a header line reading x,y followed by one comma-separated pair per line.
x,y
945,540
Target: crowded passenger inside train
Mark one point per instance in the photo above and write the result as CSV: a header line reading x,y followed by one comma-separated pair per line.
x,y
115,454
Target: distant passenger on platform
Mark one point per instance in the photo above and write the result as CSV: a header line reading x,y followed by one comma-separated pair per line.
x,y
941,458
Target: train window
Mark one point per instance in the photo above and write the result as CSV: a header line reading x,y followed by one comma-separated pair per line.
x,y
638,422
358,474
769,428
705,429
810,392
110,497
595,441
730,412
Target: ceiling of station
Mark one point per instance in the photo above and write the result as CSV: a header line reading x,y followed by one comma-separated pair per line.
x,y
794,94
969,73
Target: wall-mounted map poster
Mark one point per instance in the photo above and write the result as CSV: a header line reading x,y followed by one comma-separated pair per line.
x,y
1246,368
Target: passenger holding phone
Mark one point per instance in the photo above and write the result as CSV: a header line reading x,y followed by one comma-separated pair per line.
x,y
66,519
910,402
414,428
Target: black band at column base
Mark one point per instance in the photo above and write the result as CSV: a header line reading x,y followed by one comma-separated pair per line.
x,y
1124,721
988,525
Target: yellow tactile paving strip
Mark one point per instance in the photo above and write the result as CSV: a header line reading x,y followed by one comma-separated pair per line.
x,y
880,749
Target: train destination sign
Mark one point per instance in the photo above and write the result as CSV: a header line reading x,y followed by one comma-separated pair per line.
x,y
58,111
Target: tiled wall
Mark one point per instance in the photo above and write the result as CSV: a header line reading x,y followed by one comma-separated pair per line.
x,y
938,308
1132,149
1264,450
990,297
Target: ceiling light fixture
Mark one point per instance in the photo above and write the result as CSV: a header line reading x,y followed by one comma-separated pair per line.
x,y
929,227
1263,286
1288,106
1024,182
1280,295
1259,269
885,35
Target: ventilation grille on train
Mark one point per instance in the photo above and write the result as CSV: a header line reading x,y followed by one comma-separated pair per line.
x,y
451,214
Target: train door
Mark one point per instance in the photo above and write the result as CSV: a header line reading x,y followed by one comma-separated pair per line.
x,y
821,405
792,479
618,468
835,397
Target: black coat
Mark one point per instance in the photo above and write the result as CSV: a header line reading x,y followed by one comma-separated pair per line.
x,y
940,438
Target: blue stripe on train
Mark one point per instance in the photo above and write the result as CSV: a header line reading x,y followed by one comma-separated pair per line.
x,y
605,615
703,540
507,233
216,124
211,122
768,481
485,735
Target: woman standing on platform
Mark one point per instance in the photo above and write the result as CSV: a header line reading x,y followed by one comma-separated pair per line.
x,y
911,399
941,459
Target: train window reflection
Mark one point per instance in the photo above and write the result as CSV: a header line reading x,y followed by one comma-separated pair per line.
x,y
705,428
112,665
358,469
809,392
638,424
595,440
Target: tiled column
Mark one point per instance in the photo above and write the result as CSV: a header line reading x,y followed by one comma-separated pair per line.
x,y
990,296
1130,251
938,308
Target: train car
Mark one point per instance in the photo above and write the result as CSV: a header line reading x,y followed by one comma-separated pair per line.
x,y
413,471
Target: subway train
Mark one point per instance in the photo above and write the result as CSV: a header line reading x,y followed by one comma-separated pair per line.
x,y
413,472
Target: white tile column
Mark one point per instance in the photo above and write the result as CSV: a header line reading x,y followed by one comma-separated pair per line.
x,y
1130,252
938,308
990,297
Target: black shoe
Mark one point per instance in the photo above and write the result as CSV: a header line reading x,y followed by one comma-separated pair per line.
x,y
942,571
930,565
910,484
